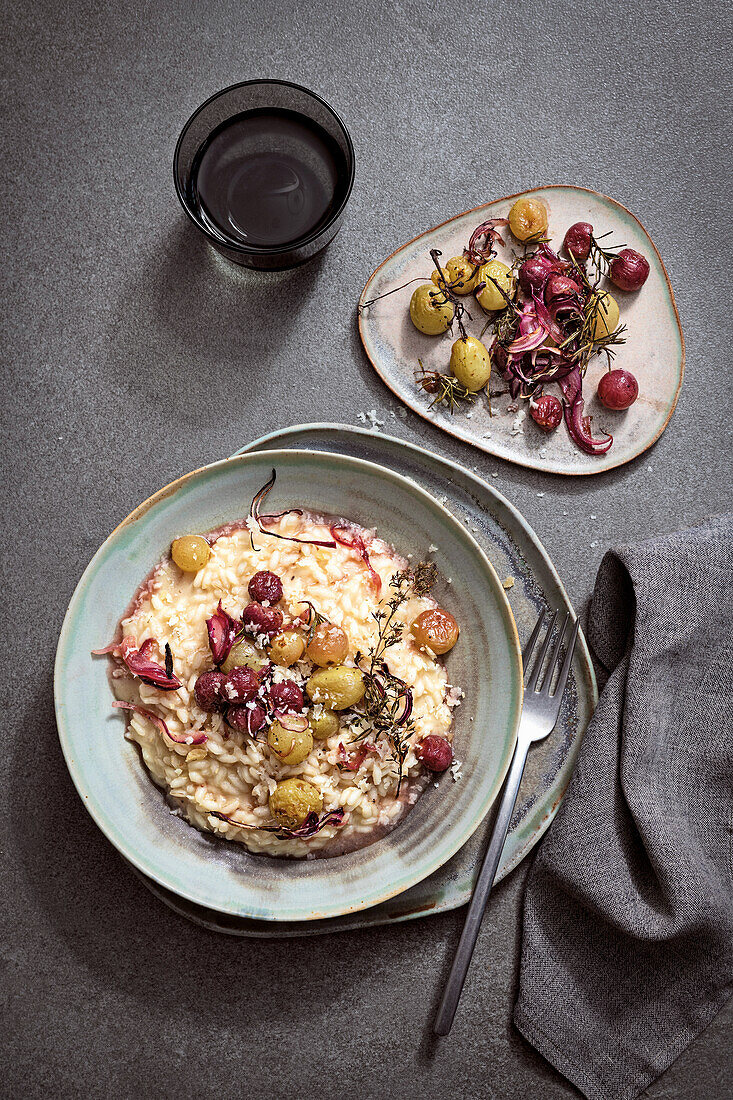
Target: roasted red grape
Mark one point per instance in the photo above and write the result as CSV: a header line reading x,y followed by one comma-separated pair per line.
x,y
208,690
246,719
546,411
560,288
534,272
578,241
286,695
241,685
629,270
265,587
618,389
435,753
257,619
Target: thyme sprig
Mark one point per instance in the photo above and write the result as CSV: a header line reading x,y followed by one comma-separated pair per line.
x,y
408,582
387,702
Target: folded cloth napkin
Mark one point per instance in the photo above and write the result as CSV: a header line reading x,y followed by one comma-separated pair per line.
x,y
627,946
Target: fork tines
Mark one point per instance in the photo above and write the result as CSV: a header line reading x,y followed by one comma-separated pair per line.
x,y
533,682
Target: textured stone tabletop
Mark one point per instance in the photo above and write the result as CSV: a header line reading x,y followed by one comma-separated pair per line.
x,y
133,354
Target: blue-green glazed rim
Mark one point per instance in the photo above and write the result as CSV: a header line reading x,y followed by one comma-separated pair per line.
x,y
107,769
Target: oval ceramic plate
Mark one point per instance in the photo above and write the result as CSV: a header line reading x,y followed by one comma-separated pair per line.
x,y
223,876
654,350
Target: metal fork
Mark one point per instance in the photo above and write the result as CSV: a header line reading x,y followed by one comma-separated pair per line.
x,y
539,716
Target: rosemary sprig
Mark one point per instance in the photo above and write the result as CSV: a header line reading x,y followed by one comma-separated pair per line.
x,y
445,389
505,325
605,345
601,257
581,342
540,237
314,620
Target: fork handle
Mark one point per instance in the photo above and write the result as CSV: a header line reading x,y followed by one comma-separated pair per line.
x,y
477,904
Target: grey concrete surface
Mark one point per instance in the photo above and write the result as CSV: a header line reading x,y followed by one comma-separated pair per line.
x,y
132,354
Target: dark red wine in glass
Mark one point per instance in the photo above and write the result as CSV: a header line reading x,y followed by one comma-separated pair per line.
x,y
268,178
265,169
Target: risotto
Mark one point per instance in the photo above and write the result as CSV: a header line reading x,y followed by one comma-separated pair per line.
x,y
283,683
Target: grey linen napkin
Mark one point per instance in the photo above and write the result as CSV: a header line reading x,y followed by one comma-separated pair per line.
x,y
627,946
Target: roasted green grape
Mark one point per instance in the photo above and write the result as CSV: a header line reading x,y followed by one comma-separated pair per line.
x,y
528,218
606,317
328,646
430,310
286,648
436,630
290,746
337,688
470,363
324,724
460,273
246,654
292,801
491,296
190,552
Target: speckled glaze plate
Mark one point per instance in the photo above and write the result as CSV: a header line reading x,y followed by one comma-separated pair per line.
x,y
223,876
654,350
514,550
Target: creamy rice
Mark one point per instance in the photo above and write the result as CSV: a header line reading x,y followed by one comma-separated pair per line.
x,y
235,775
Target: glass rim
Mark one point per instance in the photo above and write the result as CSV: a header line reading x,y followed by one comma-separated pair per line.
x,y
265,250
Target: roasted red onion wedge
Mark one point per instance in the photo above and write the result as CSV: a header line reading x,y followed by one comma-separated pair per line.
x,y
352,763
139,664
262,520
528,341
579,425
404,716
312,824
222,630
480,247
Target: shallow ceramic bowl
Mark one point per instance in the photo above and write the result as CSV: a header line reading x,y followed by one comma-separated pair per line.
x,y
654,350
108,771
